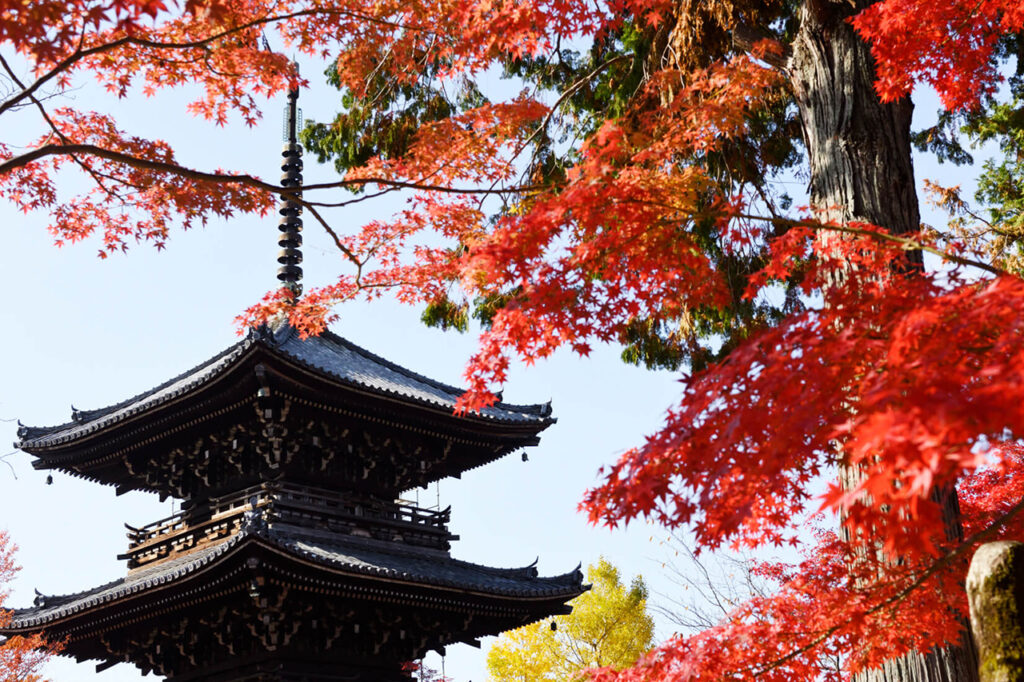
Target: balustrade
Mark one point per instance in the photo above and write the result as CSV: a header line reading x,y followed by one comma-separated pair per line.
x,y
290,508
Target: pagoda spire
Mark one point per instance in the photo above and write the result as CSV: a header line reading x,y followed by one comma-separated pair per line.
x,y
290,209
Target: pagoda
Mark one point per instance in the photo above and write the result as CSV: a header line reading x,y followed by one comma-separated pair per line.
x,y
292,558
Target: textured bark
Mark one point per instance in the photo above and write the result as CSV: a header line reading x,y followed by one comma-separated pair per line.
x,y
859,148
862,170
995,590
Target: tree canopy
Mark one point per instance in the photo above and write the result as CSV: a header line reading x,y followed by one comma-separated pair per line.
x,y
609,627
625,194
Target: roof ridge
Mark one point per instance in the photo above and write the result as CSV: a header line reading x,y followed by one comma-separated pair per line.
x,y
51,600
529,571
533,408
565,585
526,572
129,581
322,354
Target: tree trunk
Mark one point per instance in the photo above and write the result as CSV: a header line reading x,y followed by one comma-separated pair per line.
x,y
861,170
859,148
995,590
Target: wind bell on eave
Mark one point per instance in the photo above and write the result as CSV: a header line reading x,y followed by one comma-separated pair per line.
x,y
290,209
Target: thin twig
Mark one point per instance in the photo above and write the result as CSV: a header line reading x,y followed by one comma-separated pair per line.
x,y
3,458
334,235
46,150
80,53
58,132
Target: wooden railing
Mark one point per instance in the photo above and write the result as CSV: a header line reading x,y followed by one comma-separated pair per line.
x,y
299,510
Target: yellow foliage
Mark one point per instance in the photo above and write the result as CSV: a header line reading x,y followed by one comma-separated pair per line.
x,y
609,626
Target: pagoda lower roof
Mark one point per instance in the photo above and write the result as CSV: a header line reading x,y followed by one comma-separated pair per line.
x,y
327,355
354,557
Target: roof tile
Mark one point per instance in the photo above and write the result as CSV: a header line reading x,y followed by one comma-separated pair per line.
x,y
349,555
328,354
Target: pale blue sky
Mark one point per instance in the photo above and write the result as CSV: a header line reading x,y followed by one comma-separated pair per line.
x,y
77,329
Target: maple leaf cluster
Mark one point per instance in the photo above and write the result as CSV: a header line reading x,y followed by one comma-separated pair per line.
x,y
915,374
827,606
914,390
947,44
220,46
21,658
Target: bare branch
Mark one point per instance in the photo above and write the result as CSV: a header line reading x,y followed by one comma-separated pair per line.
x,y
3,458
334,235
745,37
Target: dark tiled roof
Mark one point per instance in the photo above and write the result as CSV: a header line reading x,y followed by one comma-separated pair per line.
x,y
375,559
87,421
350,555
343,360
328,354
49,608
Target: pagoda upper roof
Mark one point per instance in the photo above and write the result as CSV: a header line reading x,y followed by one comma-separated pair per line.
x,y
355,557
329,355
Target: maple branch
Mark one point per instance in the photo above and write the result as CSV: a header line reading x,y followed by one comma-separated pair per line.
x,y
97,178
908,244
348,202
934,568
745,37
79,53
46,150
334,235
406,184
225,178
74,150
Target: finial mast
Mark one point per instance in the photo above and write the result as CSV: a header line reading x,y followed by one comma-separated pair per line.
x,y
290,225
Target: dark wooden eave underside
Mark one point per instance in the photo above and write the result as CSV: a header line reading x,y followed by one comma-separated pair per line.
x,y
261,371
347,569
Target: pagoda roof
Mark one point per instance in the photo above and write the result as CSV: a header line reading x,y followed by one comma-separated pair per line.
x,y
354,557
327,355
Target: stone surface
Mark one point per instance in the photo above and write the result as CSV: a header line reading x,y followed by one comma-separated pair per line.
x,y
995,591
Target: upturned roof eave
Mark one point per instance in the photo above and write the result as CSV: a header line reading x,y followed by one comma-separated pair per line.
x,y
559,588
96,423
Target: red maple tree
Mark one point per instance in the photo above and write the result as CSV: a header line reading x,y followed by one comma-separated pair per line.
x,y
21,658
911,378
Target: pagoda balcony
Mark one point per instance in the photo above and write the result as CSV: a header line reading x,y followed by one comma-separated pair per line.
x,y
300,510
